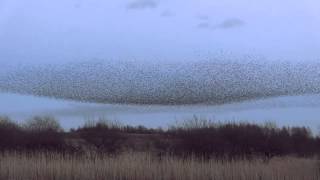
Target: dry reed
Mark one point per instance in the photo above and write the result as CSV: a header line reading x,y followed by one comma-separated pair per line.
x,y
145,166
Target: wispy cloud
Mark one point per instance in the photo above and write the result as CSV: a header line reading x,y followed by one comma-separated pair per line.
x,y
203,17
167,13
204,22
203,25
77,4
230,23
142,4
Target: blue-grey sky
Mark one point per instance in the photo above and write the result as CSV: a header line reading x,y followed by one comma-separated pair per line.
x,y
69,30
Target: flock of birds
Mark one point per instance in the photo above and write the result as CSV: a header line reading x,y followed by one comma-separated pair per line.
x,y
170,83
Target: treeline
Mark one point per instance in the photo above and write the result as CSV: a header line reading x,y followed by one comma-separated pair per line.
x,y
38,133
195,137
205,138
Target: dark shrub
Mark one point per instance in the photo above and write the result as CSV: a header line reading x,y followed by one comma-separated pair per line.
x,y
106,136
41,124
302,141
11,135
43,133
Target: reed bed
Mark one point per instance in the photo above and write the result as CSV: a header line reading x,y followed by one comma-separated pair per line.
x,y
146,166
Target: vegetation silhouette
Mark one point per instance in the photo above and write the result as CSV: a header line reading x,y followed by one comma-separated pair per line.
x,y
197,137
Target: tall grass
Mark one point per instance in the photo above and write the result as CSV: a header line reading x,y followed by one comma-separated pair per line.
x,y
145,166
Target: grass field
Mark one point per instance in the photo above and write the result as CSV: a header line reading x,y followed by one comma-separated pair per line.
x,y
145,166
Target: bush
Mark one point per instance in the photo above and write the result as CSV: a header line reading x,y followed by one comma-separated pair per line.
x,y
43,133
11,135
40,124
106,136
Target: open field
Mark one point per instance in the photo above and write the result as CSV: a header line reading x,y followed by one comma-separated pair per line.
x,y
144,166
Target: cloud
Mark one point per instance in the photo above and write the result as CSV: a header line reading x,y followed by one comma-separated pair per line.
x,y
167,13
203,17
77,4
142,4
230,23
203,25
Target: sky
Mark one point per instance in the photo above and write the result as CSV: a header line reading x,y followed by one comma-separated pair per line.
x,y
37,31
169,52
